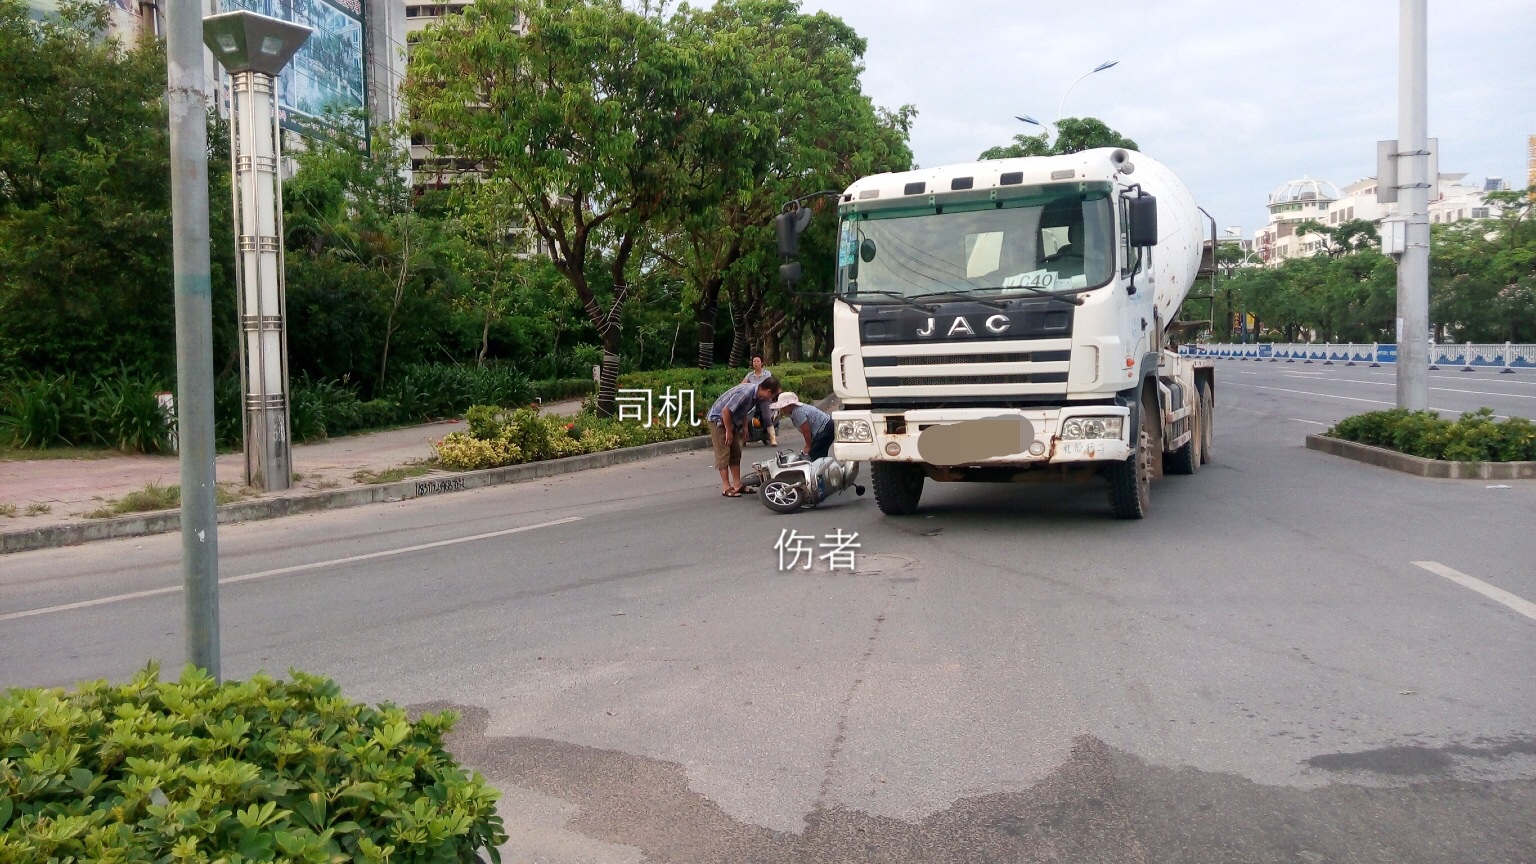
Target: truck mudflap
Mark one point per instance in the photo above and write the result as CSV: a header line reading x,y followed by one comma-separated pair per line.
x,y
981,436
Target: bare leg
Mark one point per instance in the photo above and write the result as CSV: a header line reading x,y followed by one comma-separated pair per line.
x,y
725,480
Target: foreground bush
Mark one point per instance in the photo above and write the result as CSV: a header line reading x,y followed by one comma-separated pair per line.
x,y
259,770
1475,437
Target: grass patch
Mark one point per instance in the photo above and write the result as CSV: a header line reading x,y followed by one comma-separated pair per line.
x,y
156,497
38,509
8,510
395,474
327,484
27,454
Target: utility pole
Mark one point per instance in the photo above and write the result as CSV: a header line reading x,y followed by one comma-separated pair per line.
x,y
1413,207
188,104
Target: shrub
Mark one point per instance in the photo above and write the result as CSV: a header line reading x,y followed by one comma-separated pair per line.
x,y
125,414
259,770
43,412
1475,437
563,388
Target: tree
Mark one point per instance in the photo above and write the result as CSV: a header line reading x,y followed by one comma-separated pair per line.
x,y
575,105
356,208
1073,135
784,115
85,232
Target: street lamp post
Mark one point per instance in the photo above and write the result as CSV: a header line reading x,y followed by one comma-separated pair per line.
x,y
254,49
1056,127
1099,68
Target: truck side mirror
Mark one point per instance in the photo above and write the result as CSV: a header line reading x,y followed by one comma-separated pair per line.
x,y
1143,221
790,273
789,226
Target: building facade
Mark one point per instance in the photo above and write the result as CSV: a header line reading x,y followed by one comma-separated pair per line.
x,y
1453,200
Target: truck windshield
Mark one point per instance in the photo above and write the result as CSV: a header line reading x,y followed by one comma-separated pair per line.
x,y
1058,243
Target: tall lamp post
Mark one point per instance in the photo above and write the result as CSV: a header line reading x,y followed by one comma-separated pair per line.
x,y
1099,68
254,49
1056,127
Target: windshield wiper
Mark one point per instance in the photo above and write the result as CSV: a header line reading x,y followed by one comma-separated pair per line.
x,y
1063,296
902,299
1000,305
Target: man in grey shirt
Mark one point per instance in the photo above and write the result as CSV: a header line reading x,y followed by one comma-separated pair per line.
x,y
730,420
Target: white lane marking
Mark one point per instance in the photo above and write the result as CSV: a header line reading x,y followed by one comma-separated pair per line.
x,y
281,571
1441,389
1498,595
1299,420
1349,398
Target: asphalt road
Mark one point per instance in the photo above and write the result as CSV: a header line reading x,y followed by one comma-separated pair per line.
x,y
1258,672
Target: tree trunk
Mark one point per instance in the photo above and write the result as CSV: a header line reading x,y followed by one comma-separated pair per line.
x,y
706,320
485,340
608,386
739,355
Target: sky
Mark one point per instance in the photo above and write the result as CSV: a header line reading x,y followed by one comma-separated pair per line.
x,y
1236,97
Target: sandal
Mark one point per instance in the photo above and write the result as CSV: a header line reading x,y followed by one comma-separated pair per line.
x,y
734,493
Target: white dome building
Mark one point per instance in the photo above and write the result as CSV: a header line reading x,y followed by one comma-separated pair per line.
x,y
1294,202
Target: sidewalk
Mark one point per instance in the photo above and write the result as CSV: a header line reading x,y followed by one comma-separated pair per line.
x,y
72,488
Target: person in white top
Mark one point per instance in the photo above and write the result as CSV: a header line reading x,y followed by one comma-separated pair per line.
x,y
769,420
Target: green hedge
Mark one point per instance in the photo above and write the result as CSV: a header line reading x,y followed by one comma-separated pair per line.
x,y
259,770
496,437
1475,437
810,381
562,389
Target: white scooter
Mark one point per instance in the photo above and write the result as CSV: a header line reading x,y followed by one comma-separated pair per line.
x,y
791,481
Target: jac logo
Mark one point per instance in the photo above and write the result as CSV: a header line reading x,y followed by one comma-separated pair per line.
x,y
997,324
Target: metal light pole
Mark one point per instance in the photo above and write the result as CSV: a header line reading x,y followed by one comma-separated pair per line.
x,y
1412,163
1056,127
1099,68
255,48
186,98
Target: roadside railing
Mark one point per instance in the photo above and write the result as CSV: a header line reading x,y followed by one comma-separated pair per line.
x,y
1467,357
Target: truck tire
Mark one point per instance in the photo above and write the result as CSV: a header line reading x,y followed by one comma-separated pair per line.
x,y
1186,459
1207,423
1130,482
898,486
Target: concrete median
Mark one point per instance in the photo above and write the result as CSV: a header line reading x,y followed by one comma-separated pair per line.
x,y
1419,466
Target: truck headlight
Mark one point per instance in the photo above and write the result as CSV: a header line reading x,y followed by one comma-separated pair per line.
x,y
855,432
1089,428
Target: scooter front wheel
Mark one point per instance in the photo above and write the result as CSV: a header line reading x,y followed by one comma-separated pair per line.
x,y
781,496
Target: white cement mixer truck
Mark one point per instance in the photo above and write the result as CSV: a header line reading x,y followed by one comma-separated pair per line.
x,y
1009,321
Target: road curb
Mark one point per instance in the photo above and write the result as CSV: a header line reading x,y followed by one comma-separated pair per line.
x,y
166,521
1441,469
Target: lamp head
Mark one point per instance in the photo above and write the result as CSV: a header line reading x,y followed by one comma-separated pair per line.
x,y
246,42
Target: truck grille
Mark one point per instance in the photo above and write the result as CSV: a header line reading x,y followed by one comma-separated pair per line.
x,y
961,380
942,359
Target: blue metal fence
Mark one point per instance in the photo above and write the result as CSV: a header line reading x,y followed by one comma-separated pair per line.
x,y
1469,356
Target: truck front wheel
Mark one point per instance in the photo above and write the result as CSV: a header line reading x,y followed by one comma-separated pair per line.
x,y
898,486
1130,482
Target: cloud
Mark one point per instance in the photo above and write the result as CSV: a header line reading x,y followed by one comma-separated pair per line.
x,y
1236,98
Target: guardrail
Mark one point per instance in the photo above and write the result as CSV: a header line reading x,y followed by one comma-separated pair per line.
x,y
1468,357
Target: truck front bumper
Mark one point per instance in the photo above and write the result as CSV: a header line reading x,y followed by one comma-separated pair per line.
x,y
894,436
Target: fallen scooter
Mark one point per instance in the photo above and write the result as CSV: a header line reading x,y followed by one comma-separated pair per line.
x,y
790,481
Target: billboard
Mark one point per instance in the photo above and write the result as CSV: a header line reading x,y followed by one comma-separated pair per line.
x,y
326,80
